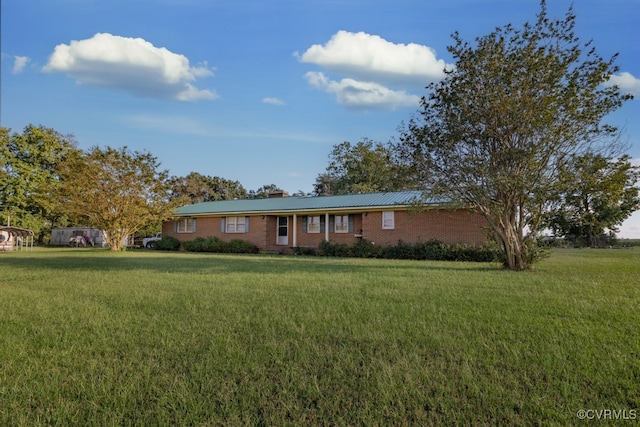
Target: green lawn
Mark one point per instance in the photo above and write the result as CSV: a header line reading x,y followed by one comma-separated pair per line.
x,y
89,337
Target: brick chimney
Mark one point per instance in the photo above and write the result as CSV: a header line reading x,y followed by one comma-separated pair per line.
x,y
276,194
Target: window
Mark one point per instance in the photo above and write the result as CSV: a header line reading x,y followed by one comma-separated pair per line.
x,y
313,224
236,224
388,222
342,224
186,225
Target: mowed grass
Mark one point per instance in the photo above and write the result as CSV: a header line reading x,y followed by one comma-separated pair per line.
x,y
89,337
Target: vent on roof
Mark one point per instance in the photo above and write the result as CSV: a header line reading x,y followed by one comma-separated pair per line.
x,y
274,194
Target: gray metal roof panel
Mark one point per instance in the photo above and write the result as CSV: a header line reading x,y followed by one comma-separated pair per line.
x,y
295,203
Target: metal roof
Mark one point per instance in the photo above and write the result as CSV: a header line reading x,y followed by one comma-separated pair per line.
x,y
16,231
306,204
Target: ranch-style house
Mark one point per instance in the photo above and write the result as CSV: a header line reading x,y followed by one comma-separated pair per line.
x,y
279,223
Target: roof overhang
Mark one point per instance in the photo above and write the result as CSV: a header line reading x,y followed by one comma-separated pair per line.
x,y
308,211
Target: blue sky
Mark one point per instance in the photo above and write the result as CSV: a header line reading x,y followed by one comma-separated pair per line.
x,y
260,91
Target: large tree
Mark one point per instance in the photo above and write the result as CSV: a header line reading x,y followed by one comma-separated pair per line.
x,y
263,192
197,188
116,190
365,167
29,168
602,194
495,133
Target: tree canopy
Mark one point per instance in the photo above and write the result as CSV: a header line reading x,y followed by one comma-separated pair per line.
x,y
512,113
29,168
602,194
365,167
197,188
116,190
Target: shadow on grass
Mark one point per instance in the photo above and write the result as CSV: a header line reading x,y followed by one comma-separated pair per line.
x,y
177,262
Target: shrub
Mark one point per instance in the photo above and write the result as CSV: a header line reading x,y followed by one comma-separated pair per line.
x,y
434,250
333,249
238,246
196,245
214,244
400,251
167,243
300,250
366,249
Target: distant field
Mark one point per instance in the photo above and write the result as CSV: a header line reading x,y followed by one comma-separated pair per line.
x,y
89,337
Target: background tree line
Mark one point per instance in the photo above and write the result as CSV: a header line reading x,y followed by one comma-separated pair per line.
x,y
515,131
46,181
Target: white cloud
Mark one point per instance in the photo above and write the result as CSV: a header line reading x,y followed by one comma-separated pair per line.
x,y
273,101
626,82
130,64
370,57
363,95
19,63
375,73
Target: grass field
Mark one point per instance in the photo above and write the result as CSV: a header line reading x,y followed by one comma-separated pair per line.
x,y
89,337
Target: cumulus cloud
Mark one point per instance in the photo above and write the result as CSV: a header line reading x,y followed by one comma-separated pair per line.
x,y
374,73
130,64
273,101
356,94
626,82
19,63
370,57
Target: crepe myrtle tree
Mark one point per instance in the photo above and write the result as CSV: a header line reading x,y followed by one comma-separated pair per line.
x,y
496,132
116,190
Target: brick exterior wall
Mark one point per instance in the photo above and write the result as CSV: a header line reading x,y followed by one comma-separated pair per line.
x,y
449,226
313,240
212,227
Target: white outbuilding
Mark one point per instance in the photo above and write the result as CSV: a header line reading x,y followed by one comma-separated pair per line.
x,y
66,235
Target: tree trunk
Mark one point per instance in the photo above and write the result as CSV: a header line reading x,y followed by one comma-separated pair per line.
x,y
514,249
116,240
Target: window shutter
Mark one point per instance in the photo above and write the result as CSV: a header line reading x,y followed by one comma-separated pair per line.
x,y
246,224
351,223
322,221
175,226
223,224
332,223
304,224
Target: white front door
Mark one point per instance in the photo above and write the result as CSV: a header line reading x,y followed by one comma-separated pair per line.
x,y
283,230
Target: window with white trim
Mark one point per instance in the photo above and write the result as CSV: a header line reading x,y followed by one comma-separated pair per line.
x,y
186,225
388,220
313,224
236,224
342,224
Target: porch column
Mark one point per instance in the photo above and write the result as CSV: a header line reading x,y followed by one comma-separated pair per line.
x,y
295,230
326,226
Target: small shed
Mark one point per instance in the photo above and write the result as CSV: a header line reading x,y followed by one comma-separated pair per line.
x,y
15,238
